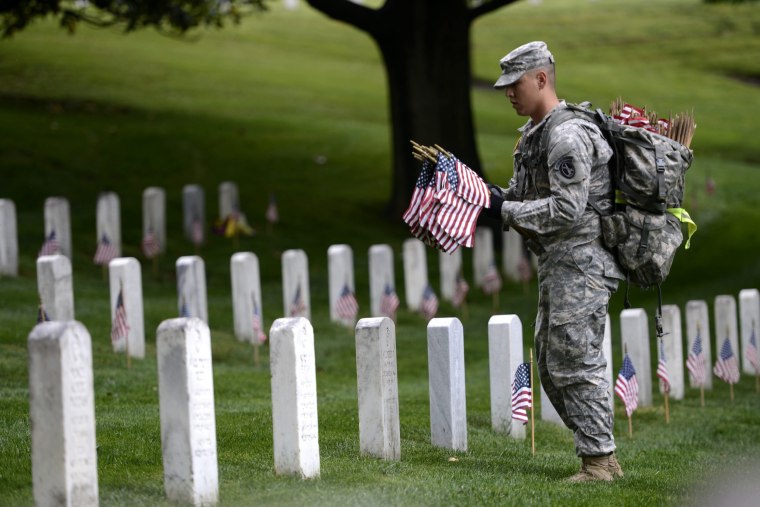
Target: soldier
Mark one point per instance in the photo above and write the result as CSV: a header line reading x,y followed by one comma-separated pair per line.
x,y
547,201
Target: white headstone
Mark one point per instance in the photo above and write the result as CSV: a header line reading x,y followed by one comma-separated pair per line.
x,y
505,353
191,287
340,271
482,254
246,296
381,273
58,219
698,324
290,5
377,388
186,403
154,215
8,238
296,299
229,199
108,212
193,213
749,311
634,333
448,405
125,275
726,324
415,272
294,398
56,286
449,266
62,410
672,342
607,351
512,254
548,412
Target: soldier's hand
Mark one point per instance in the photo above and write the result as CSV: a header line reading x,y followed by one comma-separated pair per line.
x,y
497,199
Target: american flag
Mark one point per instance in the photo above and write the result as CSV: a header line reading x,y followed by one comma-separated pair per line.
x,y
627,387
446,203
42,315
196,232
492,280
662,369
297,306
429,306
258,331
411,216
272,214
726,367
150,246
460,291
119,328
751,352
390,302
521,393
346,307
105,252
695,361
51,246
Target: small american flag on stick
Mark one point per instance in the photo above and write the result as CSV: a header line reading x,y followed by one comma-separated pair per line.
x,y
297,305
461,288
726,367
695,361
492,280
258,332
105,252
751,352
119,327
627,387
662,369
50,246
346,307
521,393
429,306
150,246
390,302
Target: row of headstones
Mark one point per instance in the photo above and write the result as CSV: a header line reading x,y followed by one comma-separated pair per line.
x,y
64,461
55,285
57,218
62,404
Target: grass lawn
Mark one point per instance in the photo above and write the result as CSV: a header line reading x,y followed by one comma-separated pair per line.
x,y
293,103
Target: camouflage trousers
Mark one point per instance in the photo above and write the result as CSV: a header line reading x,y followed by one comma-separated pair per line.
x,y
574,289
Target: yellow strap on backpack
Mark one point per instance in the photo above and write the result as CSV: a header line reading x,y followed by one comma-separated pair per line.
x,y
683,216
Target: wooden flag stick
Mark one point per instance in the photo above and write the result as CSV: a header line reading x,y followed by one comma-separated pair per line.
x,y
667,408
256,354
630,427
532,404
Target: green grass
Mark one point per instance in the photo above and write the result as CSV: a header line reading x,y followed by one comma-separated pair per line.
x,y
257,104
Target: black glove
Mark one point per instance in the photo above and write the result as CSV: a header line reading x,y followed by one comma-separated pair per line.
x,y
497,199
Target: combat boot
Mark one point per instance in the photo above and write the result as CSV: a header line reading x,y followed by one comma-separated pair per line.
x,y
598,468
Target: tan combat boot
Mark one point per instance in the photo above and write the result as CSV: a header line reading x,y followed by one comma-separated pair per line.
x,y
598,468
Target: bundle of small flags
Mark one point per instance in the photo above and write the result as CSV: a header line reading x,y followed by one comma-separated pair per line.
x,y
447,200
680,127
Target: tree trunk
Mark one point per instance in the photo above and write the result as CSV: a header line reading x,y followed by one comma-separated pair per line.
x,y
425,45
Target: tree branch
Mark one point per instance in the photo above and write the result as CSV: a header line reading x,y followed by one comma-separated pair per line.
x,y
487,7
354,14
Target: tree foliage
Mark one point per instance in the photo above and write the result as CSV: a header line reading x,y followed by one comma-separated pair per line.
x,y
169,16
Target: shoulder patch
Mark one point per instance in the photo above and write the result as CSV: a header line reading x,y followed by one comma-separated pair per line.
x,y
566,168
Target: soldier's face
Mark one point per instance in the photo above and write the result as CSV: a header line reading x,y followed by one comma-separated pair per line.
x,y
523,94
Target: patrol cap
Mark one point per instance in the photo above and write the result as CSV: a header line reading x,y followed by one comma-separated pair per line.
x,y
527,57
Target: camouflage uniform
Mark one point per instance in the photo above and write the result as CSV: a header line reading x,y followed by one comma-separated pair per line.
x,y
546,201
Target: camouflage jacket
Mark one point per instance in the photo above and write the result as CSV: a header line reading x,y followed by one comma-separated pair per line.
x,y
547,198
